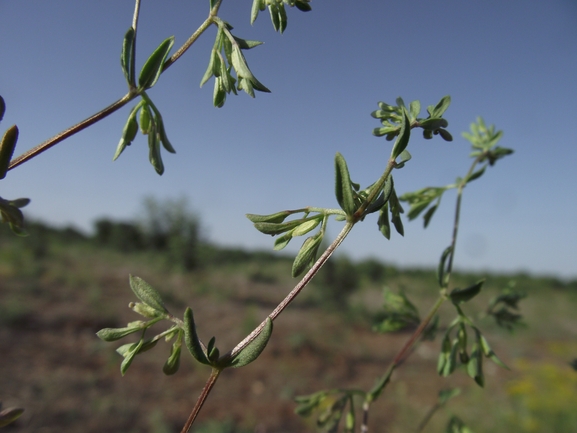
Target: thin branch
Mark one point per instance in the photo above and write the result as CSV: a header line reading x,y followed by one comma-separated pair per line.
x,y
297,289
135,27
205,25
201,399
26,156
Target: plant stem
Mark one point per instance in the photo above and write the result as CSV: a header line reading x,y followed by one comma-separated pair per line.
x,y
134,26
26,156
297,289
201,399
192,39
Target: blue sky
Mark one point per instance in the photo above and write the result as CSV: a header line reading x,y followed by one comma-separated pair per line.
x,y
514,63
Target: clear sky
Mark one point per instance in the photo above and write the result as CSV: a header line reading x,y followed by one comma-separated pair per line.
x,y
512,62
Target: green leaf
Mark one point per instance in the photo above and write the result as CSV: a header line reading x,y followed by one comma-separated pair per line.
x,y
429,214
152,69
488,351
10,212
130,354
441,267
403,138
145,119
2,108
306,227
274,16
129,131
245,44
446,135
441,107
147,294
274,229
154,155
459,296
303,5
113,334
278,217
283,241
173,362
191,338
254,348
7,146
404,157
10,414
307,254
127,57
433,124
414,109
446,394
343,187
475,365
257,5
477,174
383,221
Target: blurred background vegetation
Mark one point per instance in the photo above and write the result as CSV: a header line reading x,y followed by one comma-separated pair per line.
x,y
59,286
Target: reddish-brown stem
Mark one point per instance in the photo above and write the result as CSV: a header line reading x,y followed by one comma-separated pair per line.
x,y
201,399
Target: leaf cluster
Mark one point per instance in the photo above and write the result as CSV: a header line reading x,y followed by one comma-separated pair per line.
x,y
277,11
484,140
152,307
227,55
455,350
504,307
393,117
485,151
330,406
275,224
10,209
149,117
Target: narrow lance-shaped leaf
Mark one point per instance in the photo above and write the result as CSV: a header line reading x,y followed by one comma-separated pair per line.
x,y
254,348
127,57
2,108
9,415
191,338
113,334
404,135
129,131
154,155
130,356
343,187
278,217
441,267
172,364
152,69
7,146
475,365
383,221
459,296
307,254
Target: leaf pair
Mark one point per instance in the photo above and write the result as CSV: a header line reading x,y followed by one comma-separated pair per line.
x,y
225,56
152,68
11,214
151,306
210,355
151,124
277,11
